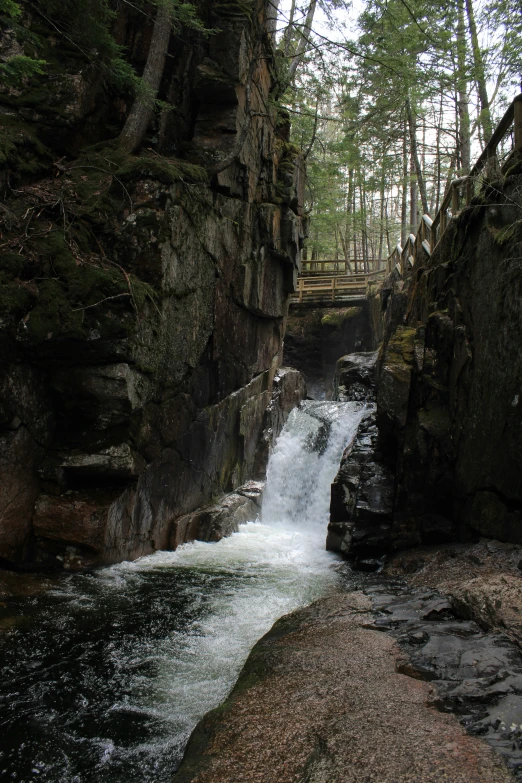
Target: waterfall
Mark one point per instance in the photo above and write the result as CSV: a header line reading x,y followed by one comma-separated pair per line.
x,y
304,464
116,667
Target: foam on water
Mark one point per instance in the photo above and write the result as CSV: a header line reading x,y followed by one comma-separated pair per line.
x,y
150,646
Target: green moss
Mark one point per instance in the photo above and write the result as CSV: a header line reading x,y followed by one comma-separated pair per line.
x,y
291,149
141,292
68,294
15,300
513,233
53,315
161,169
400,347
21,150
11,265
340,317
65,282
436,421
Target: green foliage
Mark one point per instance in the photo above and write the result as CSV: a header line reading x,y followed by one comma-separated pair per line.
x,y
186,15
18,69
86,30
10,9
349,115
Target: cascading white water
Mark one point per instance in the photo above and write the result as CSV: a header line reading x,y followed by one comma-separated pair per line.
x,y
304,463
188,620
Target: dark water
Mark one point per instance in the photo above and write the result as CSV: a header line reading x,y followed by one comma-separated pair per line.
x,y
77,674
104,677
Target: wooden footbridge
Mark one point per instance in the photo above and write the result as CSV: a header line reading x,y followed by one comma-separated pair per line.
x,y
328,282
335,289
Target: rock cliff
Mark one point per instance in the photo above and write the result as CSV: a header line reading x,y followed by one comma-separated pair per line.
x,y
449,385
143,297
316,337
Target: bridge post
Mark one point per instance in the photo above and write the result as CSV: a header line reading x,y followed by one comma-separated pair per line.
x,y
469,190
454,199
517,112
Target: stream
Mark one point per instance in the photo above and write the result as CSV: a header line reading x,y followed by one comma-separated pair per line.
x,y
104,677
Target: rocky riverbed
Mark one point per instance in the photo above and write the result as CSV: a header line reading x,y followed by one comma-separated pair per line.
x,y
413,674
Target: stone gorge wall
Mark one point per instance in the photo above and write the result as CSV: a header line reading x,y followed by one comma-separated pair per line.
x,y
123,409
449,388
316,337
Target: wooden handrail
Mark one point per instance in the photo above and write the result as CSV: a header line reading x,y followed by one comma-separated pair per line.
x,y
325,266
334,287
430,232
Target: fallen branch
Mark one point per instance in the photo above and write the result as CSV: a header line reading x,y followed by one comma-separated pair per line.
x,y
116,296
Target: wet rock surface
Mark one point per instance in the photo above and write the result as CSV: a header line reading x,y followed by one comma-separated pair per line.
x,y
483,580
322,699
414,674
362,498
475,675
355,377
448,399
217,520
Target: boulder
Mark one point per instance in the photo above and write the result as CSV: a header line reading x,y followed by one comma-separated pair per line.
x,y
217,520
355,376
362,496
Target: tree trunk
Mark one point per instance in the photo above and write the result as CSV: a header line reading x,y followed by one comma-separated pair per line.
x,y
464,141
349,202
354,232
480,75
415,156
413,199
364,238
305,35
381,221
271,19
289,32
438,162
388,243
141,112
404,203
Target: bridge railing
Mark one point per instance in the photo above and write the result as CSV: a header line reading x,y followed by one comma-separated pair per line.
x,y
460,192
326,266
335,287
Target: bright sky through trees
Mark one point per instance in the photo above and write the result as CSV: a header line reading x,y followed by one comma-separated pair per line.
x,y
391,99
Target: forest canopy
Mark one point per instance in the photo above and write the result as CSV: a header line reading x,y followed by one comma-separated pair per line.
x,y
388,102
389,111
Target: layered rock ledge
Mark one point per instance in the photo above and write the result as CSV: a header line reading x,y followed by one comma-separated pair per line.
x,y
141,328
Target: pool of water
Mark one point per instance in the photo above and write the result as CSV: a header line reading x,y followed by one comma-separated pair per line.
x,y
104,676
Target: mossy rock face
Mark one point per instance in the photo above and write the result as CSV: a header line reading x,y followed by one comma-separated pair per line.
x,y
15,301
336,320
20,149
11,265
61,283
401,346
488,515
162,170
